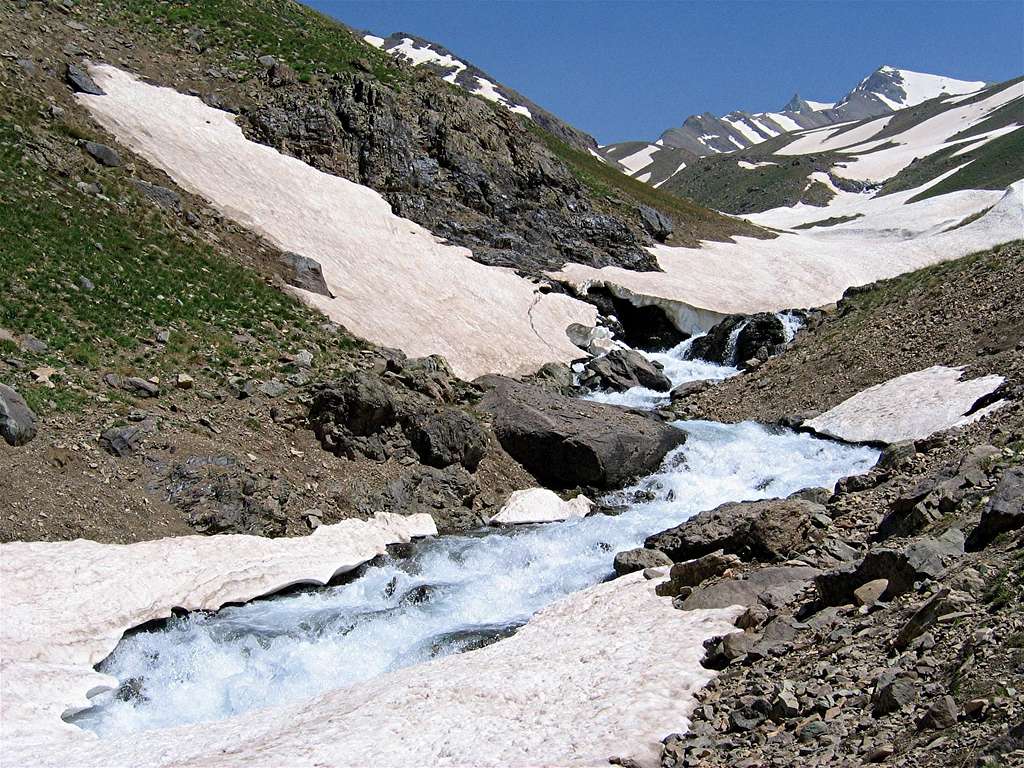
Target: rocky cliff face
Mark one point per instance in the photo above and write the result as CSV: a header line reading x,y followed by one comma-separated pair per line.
x,y
467,170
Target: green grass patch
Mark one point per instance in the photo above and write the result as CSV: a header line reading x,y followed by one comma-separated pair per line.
x,y
146,277
310,42
995,165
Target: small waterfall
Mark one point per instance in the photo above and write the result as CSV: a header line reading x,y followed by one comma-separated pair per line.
x,y
730,345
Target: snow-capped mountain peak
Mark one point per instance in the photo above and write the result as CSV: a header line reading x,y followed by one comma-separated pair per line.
x,y
901,88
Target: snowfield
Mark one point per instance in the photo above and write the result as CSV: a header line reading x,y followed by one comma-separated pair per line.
x,y
809,268
394,282
605,671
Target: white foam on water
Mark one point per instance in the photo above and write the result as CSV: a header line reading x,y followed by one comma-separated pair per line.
x,y
454,592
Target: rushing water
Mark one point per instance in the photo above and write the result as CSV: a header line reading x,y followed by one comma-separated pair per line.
x,y
454,593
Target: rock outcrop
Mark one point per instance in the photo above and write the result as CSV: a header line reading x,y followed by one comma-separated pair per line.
x,y
567,443
17,421
622,369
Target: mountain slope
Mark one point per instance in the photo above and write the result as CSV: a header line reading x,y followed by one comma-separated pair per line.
x,y
420,52
884,91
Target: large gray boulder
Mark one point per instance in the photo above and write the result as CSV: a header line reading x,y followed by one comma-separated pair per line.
x,y
305,273
566,443
1004,511
17,421
448,436
80,80
765,531
623,369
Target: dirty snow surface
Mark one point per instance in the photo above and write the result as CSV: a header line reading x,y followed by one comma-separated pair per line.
x,y
909,407
812,267
394,282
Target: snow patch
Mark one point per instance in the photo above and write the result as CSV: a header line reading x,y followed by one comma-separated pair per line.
x,y
909,407
389,275
539,505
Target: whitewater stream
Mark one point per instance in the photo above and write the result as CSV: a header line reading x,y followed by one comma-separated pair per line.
x,y
452,594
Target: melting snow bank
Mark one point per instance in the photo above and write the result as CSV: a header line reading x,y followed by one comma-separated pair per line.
x,y
388,274
811,268
909,407
599,672
539,505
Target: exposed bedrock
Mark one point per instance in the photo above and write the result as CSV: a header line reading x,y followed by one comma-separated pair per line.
x,y
739,338
568,443
644,327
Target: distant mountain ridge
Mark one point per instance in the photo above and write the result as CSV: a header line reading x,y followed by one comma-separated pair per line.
x,y
420,52
884,91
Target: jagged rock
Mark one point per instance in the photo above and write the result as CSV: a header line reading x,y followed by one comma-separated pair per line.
x,y
1004,511
892,693
727,649
566,443
80,80
694,572
895,454
349,415
123,441
184,381
639,559
923,618
166,198
272,388
447,437
924,558
622,369
656,223
17,421
139,387
447,495
767,531
784,704
940,715
305,273
772,586
220,495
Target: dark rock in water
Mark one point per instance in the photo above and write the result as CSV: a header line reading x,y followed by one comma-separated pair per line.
x,y
103,154
767,531
656,223
305,273
647,327
447,437
80,80
132,689
639,559
622,369
1004,511
17,421
738,338
567,443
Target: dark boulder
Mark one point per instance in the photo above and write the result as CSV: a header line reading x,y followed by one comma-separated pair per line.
x,y
657,224
123,441
166,198
772,586
567,443
305,273
17,421
739,338
692,573
80,80
448,495
447,437
1004,511
349,415
102,154
766,531
622,369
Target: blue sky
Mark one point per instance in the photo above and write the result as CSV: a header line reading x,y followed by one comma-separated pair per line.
x,y
629,70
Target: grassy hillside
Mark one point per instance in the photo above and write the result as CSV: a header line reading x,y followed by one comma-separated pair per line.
x,y
310,42
694,222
